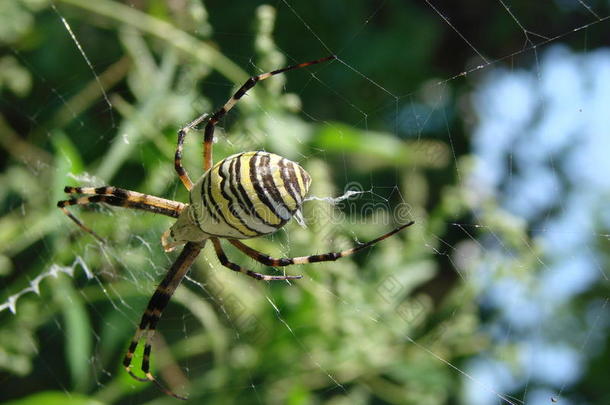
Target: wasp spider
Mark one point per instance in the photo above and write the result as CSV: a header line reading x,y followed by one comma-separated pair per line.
x,y
243,196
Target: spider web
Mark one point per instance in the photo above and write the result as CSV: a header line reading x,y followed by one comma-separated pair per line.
x,y
517,231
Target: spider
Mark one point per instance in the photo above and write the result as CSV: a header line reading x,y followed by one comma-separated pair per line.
x,y
243,196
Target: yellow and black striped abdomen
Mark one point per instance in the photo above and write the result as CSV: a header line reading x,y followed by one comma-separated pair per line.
x,y
247,195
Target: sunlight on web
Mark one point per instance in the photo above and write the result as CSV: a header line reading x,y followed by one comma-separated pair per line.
x,y
296,338
53,271
82,52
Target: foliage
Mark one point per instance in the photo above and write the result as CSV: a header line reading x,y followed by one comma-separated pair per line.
x,y
360,330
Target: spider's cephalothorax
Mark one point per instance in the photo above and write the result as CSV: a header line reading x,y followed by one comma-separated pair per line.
x,y
243,196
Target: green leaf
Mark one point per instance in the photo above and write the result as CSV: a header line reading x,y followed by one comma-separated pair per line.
x,y
373,148
54,398
67,157
78,333
67,160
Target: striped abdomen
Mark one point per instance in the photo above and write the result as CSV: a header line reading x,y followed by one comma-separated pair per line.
x,y
248,195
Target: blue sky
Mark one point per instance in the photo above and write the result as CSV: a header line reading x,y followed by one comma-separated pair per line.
x,y
542,143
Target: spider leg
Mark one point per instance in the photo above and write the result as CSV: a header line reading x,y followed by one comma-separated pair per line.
x,y
235,267
131,199
324,257
120,198
251,82
153,312
184,177
62,207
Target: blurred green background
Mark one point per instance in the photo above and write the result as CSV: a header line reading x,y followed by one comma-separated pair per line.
x,y
401,323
